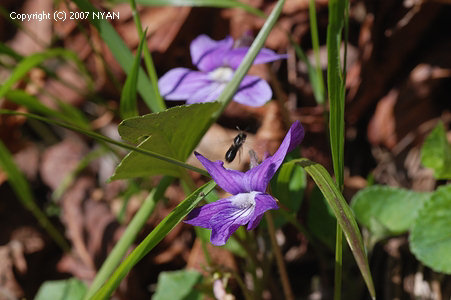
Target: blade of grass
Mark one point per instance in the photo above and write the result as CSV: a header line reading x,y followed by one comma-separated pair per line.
x,y
103,138
21,188
319,91
121,53
227,94
128,107
136,224
205,3
343,214
147,57
165,226
336,90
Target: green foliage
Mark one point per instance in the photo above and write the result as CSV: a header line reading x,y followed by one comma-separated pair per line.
x,y
128,107
321,220
343,214
163,229
70,289
387,211
430,239
173,133
336,86
178,285
122,54
288,186
436,153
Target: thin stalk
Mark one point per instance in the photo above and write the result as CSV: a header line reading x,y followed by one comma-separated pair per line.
x,y
315,44
103,138
338,262
119,250
148,59
279,258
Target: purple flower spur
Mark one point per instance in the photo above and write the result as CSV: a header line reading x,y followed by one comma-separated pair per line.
x,y
249,200
217,62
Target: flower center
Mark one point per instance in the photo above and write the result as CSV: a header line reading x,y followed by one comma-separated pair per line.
x,y
221,74
244,200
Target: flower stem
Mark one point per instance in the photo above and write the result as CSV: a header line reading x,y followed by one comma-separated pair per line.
x,y
279,259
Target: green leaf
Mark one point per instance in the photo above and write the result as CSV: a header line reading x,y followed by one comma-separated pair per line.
x,y
163,229
288,186
174,132
128,107
204,3
70,289
387,211
4,49
122,54
430,238
21,188
343,214
321,220
436,152
336,86
178,285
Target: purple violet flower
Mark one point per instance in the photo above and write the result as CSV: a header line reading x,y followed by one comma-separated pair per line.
x,y
217,61
249,200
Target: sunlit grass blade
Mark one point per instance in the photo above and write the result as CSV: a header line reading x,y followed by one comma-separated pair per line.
x,y
227,94
34,60
316,80
103,138
207,3
344,216
165,226
336,91
147,57
318,87
336,86
122,54
21,188
128,107
136,224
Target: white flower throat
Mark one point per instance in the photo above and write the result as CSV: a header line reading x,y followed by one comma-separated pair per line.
x,y
221,74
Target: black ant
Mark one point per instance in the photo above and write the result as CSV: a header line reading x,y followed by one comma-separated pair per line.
x,y
238,141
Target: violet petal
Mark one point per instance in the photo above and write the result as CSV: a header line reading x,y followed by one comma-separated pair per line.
x,y
230,181
261,175
207,54
234,57
227,221
207,93
263,202
181,83
253,91
201,216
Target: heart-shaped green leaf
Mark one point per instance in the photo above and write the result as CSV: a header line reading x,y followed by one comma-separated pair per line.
x,y
436,153
430,239
387,211
173,133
